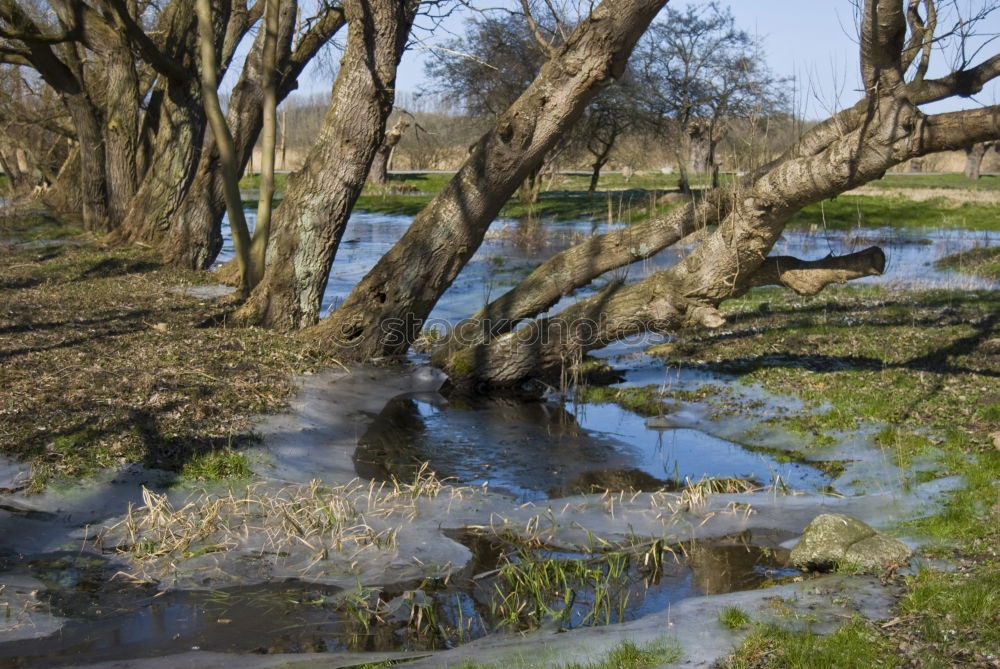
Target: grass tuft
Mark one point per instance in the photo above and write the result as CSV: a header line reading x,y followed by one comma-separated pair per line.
x,y
734,617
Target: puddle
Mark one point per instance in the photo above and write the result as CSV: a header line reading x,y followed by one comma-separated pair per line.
x,y
536,450
503,589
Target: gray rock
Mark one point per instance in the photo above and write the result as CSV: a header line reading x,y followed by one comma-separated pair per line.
x,y
834,539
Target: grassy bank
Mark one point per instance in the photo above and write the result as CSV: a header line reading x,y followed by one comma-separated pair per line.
x,y
981,261
106,360
924,365
942,205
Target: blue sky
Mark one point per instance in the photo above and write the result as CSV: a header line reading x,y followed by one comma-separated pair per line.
x,y
814,41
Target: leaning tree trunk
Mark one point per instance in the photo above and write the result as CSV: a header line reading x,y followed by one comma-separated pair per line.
x,y
732,259
384,312
318,199
379,173
580,264
974,158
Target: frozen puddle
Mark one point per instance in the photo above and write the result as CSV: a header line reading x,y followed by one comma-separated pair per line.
x,y
536,450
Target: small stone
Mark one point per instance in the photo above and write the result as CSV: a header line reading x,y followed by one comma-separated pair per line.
x,y
996,440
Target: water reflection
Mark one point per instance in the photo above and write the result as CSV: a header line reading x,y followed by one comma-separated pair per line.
x,y
538,449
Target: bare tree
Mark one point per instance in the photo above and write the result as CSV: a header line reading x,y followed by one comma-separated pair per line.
x,y
250,250
384,312
127,74
857,145
697,71
613,113
36,135
319,198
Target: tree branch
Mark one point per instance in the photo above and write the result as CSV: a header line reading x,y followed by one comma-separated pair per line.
x,y
545,45
808,277
883,33
957,130
146,47
39,38
962,83
317,35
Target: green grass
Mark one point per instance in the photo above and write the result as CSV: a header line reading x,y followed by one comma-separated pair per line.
x,y
217,465
252,181
627,655
921,367
853,211
950,180
854,644
947,605
624,655
643,400
734,617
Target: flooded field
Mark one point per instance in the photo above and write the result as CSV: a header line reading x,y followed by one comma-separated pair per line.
x,y
514,248
548,510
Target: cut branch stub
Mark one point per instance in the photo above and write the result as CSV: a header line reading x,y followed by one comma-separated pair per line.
x,y
808,277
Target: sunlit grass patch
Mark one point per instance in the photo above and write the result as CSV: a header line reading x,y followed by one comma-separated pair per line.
x,y
628,655
867,211
854,644
956,609
970,516
625,654
217,465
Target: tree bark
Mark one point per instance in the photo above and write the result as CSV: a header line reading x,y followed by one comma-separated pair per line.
x,y
701,149
384,312
319,198
121,130
974,158
379,174
175,125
